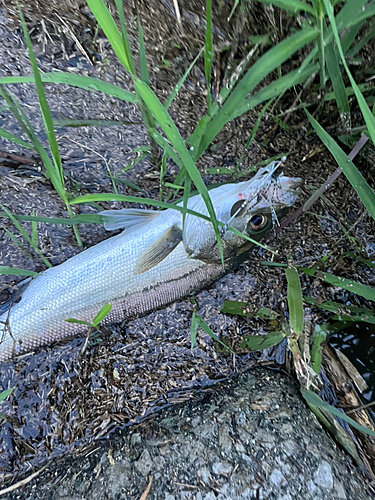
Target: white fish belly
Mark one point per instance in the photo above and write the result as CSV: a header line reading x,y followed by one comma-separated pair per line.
x,y
104,273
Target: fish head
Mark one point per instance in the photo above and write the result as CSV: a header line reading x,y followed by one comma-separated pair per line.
x,y
251,208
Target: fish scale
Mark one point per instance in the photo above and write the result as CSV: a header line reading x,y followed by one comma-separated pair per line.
x,y
140,269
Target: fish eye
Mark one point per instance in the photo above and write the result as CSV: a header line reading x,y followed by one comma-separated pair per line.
x,y
258,222
240,207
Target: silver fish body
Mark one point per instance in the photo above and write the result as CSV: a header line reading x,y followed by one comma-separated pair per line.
x,y
154,261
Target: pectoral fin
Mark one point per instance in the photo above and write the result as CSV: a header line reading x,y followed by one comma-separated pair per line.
x,y
159,250
130,219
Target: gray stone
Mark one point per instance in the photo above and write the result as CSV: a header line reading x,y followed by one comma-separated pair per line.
x,y
277,478
323,476
135,438
210,496
196,421
223,468
224,439
186,495
246,458
311,486
340,491
144,464
287,429
204,474
240,448
289,447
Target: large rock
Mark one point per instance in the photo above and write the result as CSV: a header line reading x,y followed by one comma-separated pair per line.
x,y
251,438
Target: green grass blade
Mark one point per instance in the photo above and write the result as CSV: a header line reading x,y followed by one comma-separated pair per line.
x,y
339,434
5,394
104,311
163,168
187,188
264,65
349,15
124,35
235,5
208,52
108,25
82,82
34,235
173,135
367,262
167,148
46,114
13,138
14,271
351,286
209,332
343,312
349,36
242,309
260,342
318,337
142,54
180,83
315,400
346,18
274,89
369,10
115,179
193,329
78,219
365,14
293,6
365,193
364,40
93,198
24,235
295,303
253,133
19,115
91,123
16,224
195,138
236,76
78,321
364,87
338,84
145,112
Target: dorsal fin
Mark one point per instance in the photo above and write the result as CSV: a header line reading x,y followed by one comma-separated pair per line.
x,y
127,218
159,250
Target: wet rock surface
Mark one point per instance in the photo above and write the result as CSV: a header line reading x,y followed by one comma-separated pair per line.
x,y
250,438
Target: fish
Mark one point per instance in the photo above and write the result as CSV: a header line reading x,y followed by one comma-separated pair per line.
x,y
158,258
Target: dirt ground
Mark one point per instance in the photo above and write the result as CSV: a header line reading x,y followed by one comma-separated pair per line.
x,y
63,401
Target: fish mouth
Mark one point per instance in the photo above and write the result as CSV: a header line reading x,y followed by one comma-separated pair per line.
x,y
290,189
292,184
